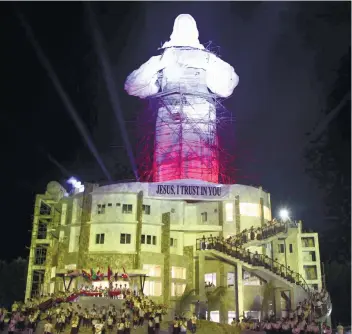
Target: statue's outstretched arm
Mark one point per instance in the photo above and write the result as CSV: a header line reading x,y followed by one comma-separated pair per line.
x,y
143,81
221,77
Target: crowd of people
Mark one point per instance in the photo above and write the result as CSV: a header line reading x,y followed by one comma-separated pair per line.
x,y
298,321
259,233
62,316
136,310
318,301
226,246
181,324
270,229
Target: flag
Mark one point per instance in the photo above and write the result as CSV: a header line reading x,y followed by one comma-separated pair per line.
x,y
93,275
86,275
100,275
110,274
124,275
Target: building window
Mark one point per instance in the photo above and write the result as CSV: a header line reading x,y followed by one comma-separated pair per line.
x,y
291,248
146,209
281,248
314,287
118,204
125,238
173,242
100,238
101,209
178,272
214,316
308,242
126,208
177,289
204,216
229,212
252,314
40,255
210,278
45,209
109,204
249,279
310,272
230,279
42,230
153,270
250,209
309,256
148,239
152,288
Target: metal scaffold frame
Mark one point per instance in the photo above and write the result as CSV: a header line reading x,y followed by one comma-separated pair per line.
x,y
44,219
217,165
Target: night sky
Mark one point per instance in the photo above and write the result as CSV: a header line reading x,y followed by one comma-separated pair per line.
x,y
286,54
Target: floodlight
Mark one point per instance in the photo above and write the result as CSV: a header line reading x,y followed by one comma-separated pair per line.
x,y
284,214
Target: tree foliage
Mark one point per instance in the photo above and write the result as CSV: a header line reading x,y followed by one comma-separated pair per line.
x,y
12,281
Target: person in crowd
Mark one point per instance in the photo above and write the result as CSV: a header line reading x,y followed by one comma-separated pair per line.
x,y
127,329
175,327
194,323
2,318
157,323
110,323
339,327
12,324
31,323
151,328
120,326
98,327
48,327
74,323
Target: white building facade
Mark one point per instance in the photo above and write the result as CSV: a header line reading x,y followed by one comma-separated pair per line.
x,y
155,229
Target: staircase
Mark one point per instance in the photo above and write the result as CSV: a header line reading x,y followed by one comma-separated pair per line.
x,y
262,235
263,267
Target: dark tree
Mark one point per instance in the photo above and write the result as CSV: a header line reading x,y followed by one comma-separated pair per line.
x,y
12,281
329,161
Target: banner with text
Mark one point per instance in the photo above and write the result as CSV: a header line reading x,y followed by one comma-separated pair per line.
x,y
191,191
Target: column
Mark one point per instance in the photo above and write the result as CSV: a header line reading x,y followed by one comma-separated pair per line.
x,y
278,309
223,311
139,215
239,290
201,273
202,306
237,214
165,249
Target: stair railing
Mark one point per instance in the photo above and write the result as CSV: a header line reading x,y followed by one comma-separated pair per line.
x,y
261,233
255,259
258,260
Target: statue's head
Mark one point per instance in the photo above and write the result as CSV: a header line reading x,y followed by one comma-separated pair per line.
x,y
185,33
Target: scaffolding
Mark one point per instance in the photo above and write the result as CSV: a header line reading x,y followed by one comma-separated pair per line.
x,y
46,218
185,135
